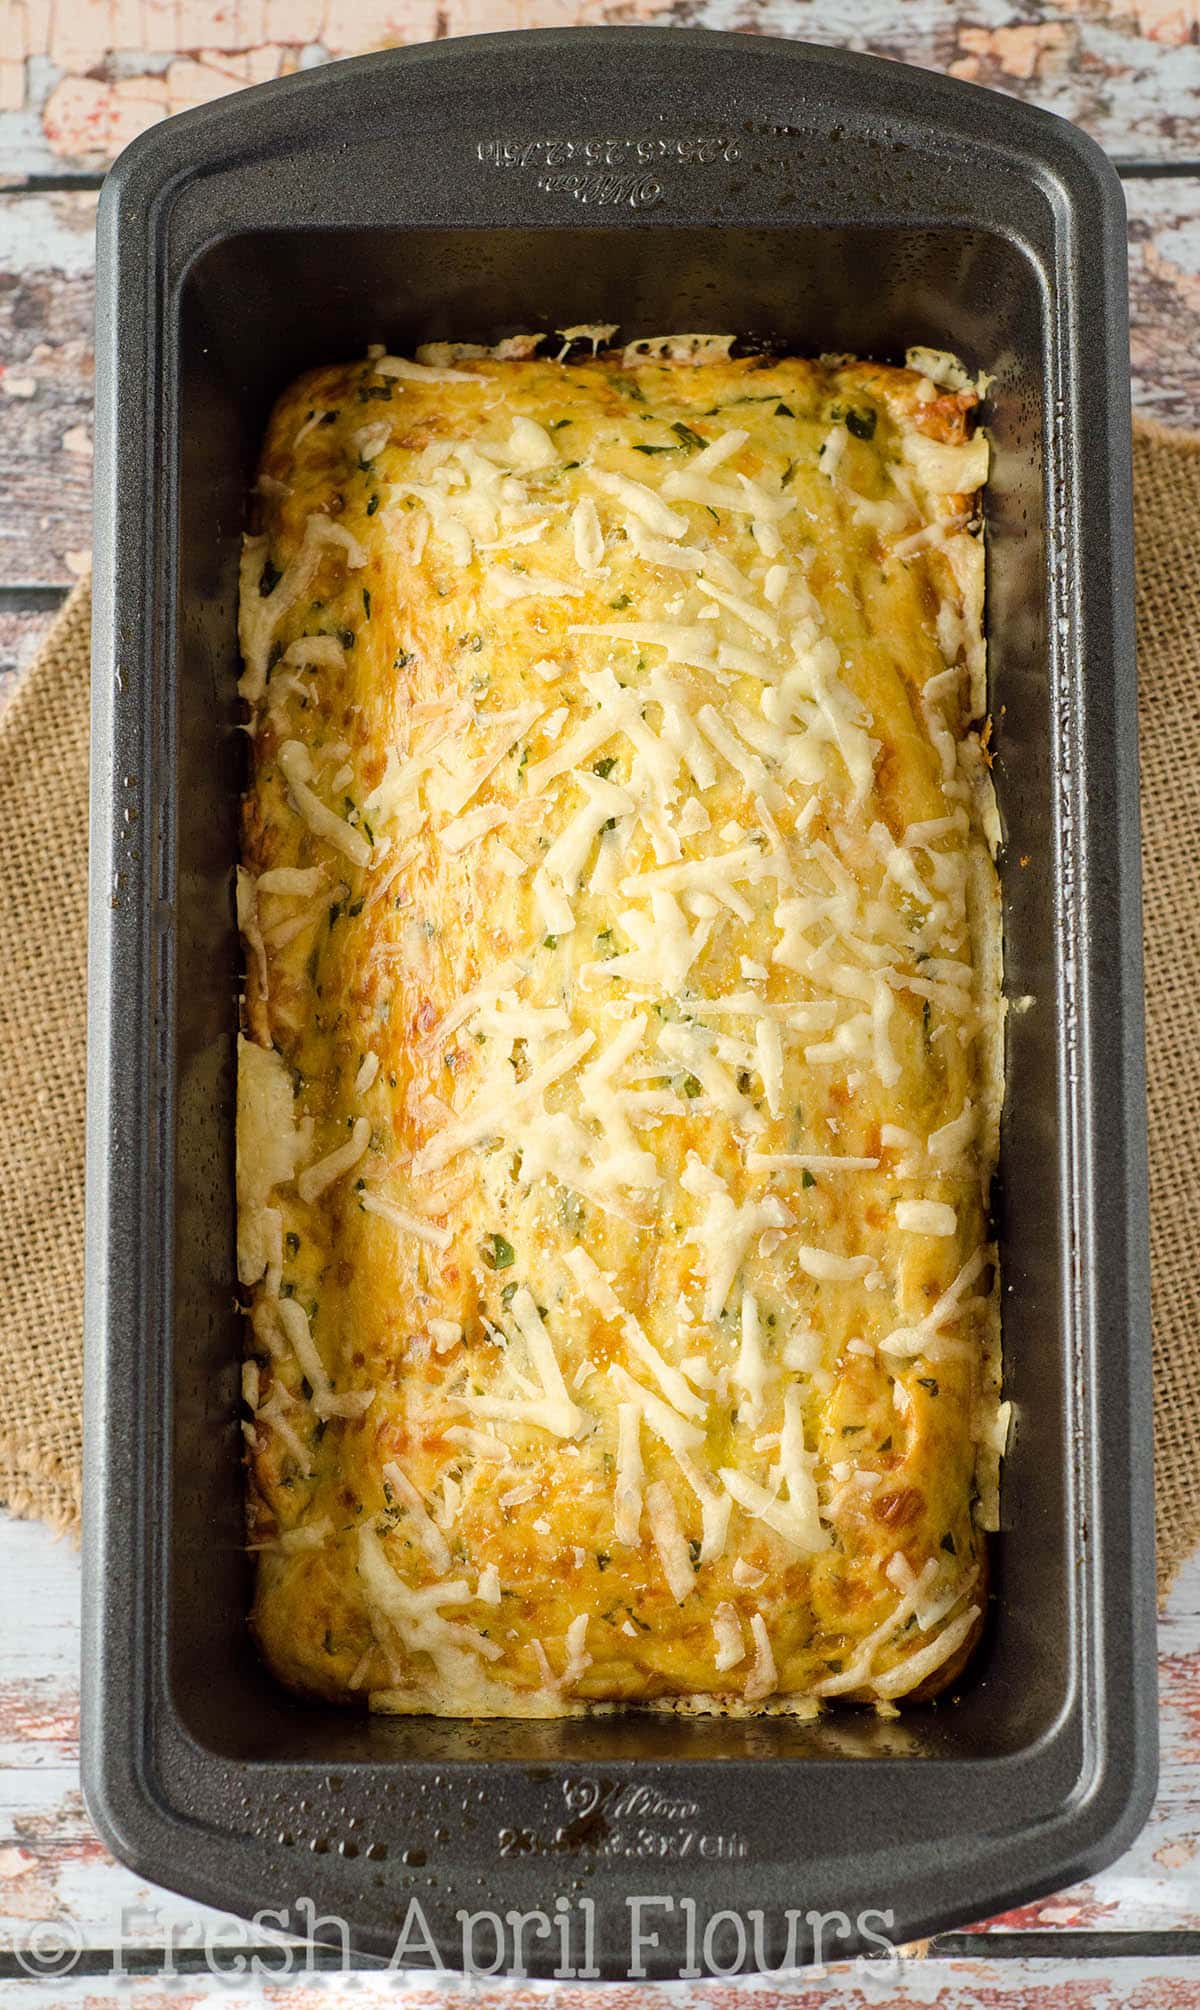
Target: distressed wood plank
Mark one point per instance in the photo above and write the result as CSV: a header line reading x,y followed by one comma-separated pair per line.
x,y
78,81
1155,1984
46,305
20,633
52,1867
46,386
1164,282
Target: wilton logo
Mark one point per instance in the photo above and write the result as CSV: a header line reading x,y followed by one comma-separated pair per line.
x,y
613,172
613,1818
585,1797
605,190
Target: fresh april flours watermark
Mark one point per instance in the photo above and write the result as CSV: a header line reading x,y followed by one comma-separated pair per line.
x,y
561,1940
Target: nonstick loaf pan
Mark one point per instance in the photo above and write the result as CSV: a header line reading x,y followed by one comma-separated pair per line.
x,y
663,181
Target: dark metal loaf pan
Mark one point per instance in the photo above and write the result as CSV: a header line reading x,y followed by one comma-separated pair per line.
x,y
664,181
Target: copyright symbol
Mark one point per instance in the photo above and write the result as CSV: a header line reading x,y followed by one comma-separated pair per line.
x,y
50,1947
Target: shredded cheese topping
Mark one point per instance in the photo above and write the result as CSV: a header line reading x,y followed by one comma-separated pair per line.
x,y
620,1101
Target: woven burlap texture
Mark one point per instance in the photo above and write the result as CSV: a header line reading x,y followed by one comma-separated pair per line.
x,y
43,989
1166,512
43,832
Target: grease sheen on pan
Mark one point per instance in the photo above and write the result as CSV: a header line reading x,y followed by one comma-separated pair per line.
x,y
619,1085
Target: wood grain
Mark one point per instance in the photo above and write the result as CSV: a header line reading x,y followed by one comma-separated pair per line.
x,y
1164,277
78,80
1169,1984
21,629
46,386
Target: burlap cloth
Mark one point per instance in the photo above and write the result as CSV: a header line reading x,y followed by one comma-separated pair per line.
x,y
43,833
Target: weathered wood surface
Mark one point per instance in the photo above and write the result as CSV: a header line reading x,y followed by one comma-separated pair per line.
x,y
78,80
1169,1984
1160,1984
1164,282
21,630
46,386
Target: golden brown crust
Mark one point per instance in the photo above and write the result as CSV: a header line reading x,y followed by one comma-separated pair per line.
x,y
425,581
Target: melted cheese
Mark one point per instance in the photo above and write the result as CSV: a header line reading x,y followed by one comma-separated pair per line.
x,y
615,1125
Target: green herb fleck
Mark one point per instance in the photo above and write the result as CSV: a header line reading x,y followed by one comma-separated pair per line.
x,y
947,1543
550,942
807,1178
605,767
862,424
786,476
927,1382
373,505
402,659
692,1087
621,601
498,1253
685,433
784,412
366,594
268,579
573,1212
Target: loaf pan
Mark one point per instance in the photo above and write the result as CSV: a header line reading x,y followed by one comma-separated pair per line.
x,y
664,181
